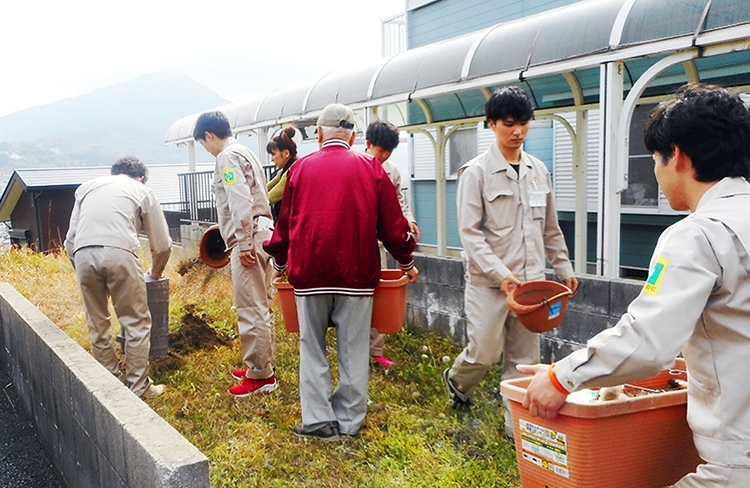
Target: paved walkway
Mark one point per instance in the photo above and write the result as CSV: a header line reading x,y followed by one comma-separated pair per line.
x,y
23,460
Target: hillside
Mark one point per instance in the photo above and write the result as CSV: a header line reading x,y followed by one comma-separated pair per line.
x,y
93,129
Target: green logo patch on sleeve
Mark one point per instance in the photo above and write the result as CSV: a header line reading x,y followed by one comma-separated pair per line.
x,y
657,274
228,177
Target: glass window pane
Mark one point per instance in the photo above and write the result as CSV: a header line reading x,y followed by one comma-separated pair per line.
x,y
462,147
643,189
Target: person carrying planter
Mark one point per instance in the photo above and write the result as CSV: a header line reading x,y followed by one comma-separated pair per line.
x,y
696,299
337,204
508,227
239,185
381,138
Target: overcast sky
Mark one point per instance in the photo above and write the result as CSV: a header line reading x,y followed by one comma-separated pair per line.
x,y
56,49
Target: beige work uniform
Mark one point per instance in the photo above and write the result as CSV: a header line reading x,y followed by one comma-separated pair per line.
x,y
102,242
377,340
695,301
239,185
507,223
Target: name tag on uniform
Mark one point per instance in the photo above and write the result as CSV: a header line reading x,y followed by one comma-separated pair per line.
x,y
537,198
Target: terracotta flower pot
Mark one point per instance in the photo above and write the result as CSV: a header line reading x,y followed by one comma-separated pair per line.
x,y
388,308
212,248
641,441
539,305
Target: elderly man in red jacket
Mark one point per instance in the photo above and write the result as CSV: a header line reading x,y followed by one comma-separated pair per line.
x,y
337,204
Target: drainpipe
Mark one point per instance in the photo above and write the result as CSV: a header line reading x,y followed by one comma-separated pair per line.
x,y
440,191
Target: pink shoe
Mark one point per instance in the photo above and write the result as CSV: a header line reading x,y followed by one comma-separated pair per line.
x,y
251,387
239,373
383,361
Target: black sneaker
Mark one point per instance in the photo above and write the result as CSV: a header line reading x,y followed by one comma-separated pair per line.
x,y
460,401
326,432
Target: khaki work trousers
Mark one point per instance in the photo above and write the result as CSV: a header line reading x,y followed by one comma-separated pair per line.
x,y
252,298
109,272
494,332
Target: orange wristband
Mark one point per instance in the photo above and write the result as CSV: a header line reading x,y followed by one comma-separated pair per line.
x,y
555,382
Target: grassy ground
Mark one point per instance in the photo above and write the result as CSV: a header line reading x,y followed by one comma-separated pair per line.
x,y
411,437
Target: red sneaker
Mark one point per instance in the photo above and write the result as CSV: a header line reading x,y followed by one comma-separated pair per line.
x,y
239,373
250,386
383,361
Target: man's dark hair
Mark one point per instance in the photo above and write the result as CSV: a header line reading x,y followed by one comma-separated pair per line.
x,y
508,102
131,166
709,124
214,122
383,134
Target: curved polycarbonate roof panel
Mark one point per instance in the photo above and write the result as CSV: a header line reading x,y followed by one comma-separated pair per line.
x,y
181,129
293,104
448,80
581,29
647,22
283,102
325,91
505,48
242,112
399,75
354,85
725,13
443,63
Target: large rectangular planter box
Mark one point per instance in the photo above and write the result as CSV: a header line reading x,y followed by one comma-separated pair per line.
x,y
642,441
388,308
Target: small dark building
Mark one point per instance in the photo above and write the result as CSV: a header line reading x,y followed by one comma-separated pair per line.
x,y
37,203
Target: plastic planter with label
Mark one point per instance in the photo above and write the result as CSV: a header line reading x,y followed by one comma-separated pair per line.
x,y
641,441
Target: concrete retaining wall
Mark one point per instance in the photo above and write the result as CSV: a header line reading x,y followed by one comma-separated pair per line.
x,y
98,433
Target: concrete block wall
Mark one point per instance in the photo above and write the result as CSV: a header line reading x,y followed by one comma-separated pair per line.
x,y
436,304
597,305
97,432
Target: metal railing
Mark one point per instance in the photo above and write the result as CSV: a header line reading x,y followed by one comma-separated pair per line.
x,y
197,203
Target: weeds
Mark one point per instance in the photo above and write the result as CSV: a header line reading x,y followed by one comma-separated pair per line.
x,y
411,437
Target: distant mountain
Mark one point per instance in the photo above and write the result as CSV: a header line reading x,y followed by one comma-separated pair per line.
x,y
97,128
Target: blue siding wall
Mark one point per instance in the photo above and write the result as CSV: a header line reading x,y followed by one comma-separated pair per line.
x,y
424,210
445,19
539,143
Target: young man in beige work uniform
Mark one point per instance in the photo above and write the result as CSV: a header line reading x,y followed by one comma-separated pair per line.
x,y
381,138
508,226
239,185
102,243
696,300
